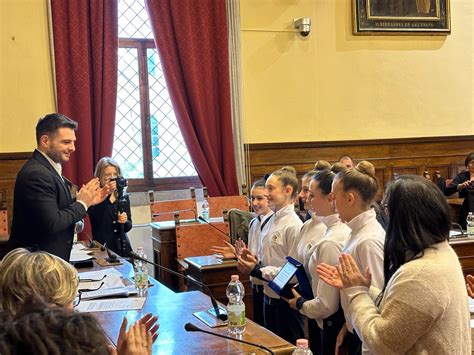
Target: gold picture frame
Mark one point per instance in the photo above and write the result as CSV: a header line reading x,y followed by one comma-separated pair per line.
x,y
431,17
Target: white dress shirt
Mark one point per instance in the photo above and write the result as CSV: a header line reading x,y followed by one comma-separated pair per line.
x,y
280,241
56,166
365,245
326,298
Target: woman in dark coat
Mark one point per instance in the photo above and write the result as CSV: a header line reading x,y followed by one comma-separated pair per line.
x,y
463,183
106,221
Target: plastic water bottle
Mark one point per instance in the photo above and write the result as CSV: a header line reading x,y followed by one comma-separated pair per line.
x,y
141,273
470,224
302,348
236,307
205,209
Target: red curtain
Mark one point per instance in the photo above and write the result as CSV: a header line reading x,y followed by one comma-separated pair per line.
x,y
85,36
191,37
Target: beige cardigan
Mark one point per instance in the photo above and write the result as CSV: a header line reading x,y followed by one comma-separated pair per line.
x,y
424,309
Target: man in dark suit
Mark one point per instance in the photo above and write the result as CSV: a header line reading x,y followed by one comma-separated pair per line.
x,y
44,211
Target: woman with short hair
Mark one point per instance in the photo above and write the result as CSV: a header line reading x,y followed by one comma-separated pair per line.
x,y
24,273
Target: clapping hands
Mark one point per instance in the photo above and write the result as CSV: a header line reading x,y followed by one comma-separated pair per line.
x,y
92,194
140,336
344,275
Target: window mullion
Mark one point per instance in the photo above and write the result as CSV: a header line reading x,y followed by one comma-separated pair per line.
x,y
145,115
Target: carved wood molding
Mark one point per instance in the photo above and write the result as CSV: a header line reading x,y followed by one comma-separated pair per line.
x,y
15,156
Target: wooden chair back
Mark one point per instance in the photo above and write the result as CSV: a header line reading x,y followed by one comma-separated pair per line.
x,y
165,210
169,210
219,206
196,239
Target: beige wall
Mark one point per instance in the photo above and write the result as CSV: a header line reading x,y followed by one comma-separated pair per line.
x,y
336,86
26,85
329,86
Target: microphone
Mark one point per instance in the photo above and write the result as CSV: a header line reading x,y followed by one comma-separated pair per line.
x,y
190,327
461,235
213,226
112,259
92,244
221,314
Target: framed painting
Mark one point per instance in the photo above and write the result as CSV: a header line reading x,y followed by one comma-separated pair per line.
x,y
430,17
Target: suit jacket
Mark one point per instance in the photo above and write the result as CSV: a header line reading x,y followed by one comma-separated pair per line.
x,y
44,212
464,193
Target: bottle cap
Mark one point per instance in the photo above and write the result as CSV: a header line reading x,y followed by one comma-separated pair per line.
x,y
234,277
302,343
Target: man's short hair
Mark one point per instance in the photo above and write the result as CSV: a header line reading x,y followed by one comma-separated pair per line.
x,y
345,157
50,123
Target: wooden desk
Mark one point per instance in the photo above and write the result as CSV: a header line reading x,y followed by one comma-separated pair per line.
x,y
164,249
215,274
164,252
464,248
455,208
174,311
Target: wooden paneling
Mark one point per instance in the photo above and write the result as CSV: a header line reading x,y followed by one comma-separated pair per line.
x,y
402,156
10,164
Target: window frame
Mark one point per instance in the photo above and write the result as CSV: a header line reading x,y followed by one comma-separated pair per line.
x,y
148,182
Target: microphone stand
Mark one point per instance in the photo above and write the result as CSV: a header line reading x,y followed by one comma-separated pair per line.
x,y
462,235
176,214
121,208
190,327
213,226
215,316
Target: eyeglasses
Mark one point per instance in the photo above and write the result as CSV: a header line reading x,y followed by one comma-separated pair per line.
x,y
78,298
92,280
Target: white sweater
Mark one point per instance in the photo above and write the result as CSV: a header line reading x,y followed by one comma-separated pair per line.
x,y
424,309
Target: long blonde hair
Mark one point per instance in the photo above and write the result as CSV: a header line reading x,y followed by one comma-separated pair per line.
x,y
24,273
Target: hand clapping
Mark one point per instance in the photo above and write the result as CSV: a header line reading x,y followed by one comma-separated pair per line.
x,y
91,193
344,275
140,336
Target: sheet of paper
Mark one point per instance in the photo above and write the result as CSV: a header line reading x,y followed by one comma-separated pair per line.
x,y
110,292
79,255
110,281
78,246
98,274
120,304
